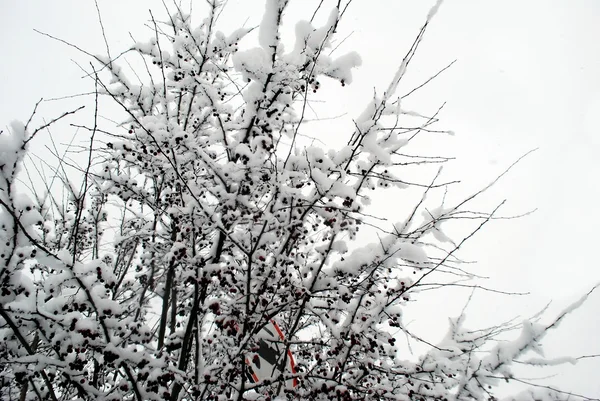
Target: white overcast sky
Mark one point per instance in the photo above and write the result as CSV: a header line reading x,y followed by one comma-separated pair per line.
x,y
527,76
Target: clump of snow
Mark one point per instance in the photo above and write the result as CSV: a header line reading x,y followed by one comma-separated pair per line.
x,y
268,35
341,67
253,64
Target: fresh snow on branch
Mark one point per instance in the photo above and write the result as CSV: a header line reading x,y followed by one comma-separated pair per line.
x,y
213,253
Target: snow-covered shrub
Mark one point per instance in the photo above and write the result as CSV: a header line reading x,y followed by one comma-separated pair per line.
x,y
210,224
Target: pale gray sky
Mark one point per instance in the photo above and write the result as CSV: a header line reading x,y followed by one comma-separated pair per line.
x,y
527,76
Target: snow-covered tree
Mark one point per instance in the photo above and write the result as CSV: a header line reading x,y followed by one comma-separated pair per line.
x,y
210,251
